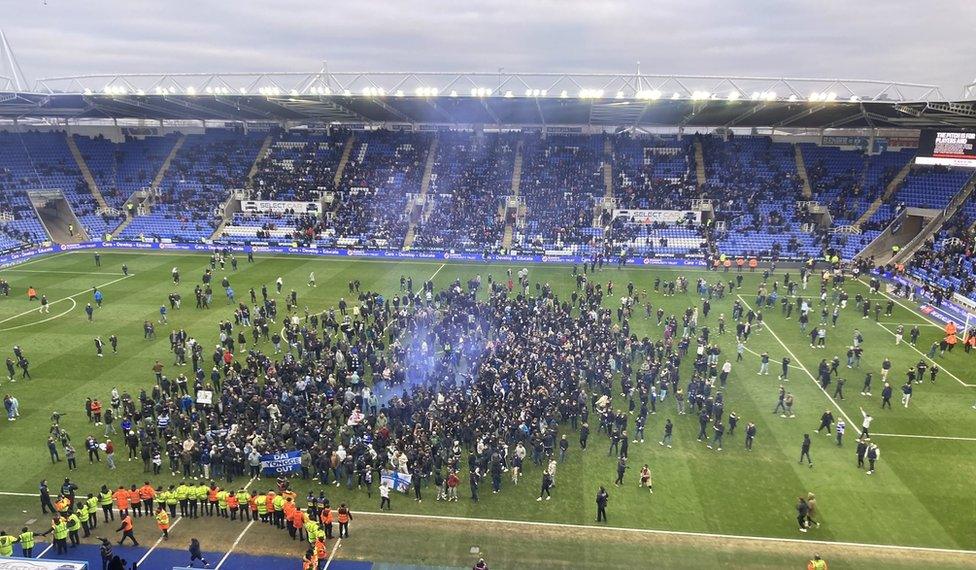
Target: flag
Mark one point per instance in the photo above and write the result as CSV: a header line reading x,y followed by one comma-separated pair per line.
x,y
281,463
396,480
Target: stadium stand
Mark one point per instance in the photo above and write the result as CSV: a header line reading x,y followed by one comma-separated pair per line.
x,y
125,167
471,174
562,175
374,190
299,165
369,209
34,160
205,169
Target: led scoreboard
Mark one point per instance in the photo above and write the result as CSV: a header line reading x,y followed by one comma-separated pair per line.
x,y
947,148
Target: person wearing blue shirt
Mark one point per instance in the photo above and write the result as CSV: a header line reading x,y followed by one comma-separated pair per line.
x,y
98,297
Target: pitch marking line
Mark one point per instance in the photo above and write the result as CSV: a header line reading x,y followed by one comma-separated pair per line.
x,y
158,542
926,357
45,551
331,556
431,278
60,272
796,360
925,436
233,546
57,316
69,297
677,533
909,324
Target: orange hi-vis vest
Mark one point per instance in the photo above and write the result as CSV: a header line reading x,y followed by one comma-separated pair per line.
x,y
343,516
121,499
326,516
127,523
146,492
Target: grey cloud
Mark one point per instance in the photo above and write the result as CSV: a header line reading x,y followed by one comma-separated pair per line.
x,y
896,39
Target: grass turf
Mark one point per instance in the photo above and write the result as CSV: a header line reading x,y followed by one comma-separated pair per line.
x,y
921,494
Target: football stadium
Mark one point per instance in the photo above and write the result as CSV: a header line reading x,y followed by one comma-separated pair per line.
x,y
422,319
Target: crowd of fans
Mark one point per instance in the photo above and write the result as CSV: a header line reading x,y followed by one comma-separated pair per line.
x,y
949,260
471,175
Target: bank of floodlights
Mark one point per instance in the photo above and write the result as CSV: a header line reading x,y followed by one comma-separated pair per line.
x,y
652,95
822,96
426,92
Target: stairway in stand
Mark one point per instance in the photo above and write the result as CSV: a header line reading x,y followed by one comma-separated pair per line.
x,y
801,171
411,234
85,172
700,163
157,180
346,153
890,191
509,232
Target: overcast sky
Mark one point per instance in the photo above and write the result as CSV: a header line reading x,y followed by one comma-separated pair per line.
x,y
905,40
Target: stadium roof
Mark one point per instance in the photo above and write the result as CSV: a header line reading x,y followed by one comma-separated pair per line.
x,y
515,99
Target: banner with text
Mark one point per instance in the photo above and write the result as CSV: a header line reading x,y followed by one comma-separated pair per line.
x,y
279,206
656,216
281,463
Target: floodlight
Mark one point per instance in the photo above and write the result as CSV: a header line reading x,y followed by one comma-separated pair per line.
x,y
734,96
855,99
676,96
755,96
209,90
453,93
831,96
792,98
655,94
191,90
620,95
509,94
563,94
140,92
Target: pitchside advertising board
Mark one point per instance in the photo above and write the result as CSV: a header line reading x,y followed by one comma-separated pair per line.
x,y
947,148
37,564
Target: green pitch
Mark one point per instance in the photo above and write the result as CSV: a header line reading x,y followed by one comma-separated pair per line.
x,y
921,495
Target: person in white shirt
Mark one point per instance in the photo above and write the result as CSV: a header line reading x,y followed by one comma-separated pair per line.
x,y
865,423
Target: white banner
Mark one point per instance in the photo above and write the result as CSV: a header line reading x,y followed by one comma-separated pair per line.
x,y
654,216
204,397
279,206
